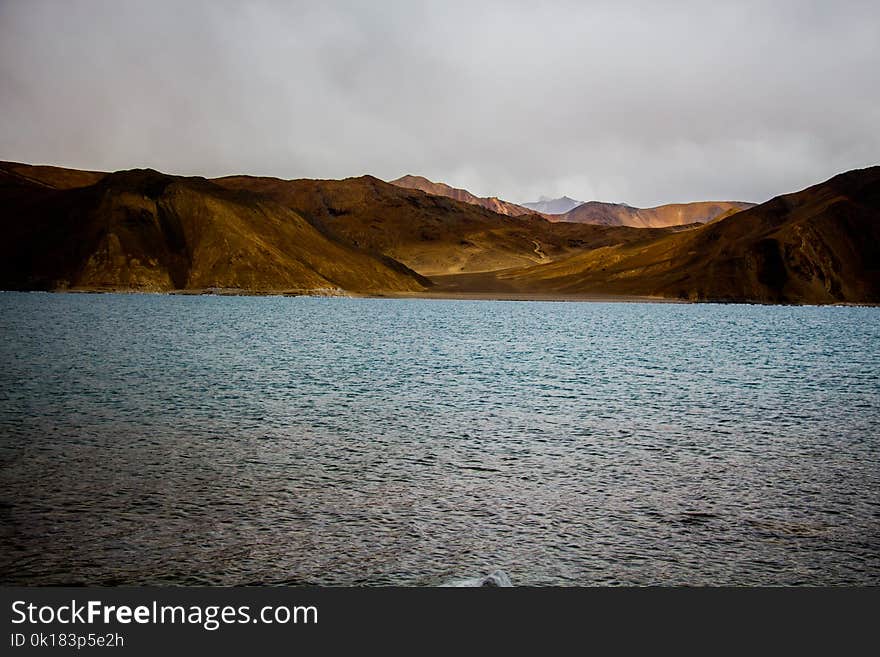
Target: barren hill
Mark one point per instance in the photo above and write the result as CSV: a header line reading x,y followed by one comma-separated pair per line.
x,y
144,230
673,214
431,234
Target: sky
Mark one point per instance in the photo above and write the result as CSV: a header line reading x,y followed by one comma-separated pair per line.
x,y
637,102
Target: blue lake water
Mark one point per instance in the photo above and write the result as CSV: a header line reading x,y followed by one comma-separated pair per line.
x,y
243,440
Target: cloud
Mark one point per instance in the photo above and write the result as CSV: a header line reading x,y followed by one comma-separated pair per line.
x,y
640,102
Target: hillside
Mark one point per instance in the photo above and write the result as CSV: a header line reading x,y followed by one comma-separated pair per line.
x,y
431,234
143,230
819,245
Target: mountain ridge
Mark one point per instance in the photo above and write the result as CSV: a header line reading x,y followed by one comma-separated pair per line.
x,y
588,212
493,203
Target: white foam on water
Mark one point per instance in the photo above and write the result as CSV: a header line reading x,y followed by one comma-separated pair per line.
x,y
495,578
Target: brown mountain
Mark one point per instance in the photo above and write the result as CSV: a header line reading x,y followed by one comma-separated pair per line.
x,y
431,234
442,189
819,245
673,214
144,230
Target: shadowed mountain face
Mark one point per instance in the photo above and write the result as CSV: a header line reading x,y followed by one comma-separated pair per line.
x,y
431,234
819,245
674,214
143,230
546,205
442,189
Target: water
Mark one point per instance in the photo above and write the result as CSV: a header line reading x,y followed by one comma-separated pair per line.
x,y
234,440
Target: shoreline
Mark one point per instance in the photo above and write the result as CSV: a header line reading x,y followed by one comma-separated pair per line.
x,y
444,295
449,295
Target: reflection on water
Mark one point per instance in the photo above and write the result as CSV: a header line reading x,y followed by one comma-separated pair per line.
x,y
233,440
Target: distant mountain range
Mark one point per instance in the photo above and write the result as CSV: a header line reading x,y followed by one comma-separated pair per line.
x,y
546,205
592,212
674,214
142,230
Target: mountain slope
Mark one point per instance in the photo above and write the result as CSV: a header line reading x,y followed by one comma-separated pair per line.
x,y
673,214
143,230
819,245
442,189
431,234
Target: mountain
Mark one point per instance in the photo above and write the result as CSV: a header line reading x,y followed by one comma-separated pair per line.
x,y
432,234
546,205
442,189
674,214
148,231
143,230
819,245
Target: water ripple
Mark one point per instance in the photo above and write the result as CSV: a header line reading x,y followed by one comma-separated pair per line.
x,y
206,440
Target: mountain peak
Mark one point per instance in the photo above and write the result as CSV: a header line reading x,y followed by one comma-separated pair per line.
x,y
547,205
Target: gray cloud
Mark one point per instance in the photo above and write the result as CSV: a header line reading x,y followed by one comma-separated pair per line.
x,y
643,102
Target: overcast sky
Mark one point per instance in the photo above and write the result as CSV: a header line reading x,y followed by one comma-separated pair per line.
x,y
641,102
